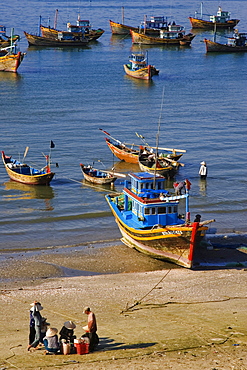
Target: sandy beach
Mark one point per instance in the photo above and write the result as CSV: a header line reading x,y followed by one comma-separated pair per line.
x,y
151,315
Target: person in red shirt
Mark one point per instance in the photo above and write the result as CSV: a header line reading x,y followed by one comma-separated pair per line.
x,y
91,329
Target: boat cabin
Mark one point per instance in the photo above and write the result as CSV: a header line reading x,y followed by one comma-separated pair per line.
x,y
3,35
154,23
220,17
174,31
238,39
137,61
147,203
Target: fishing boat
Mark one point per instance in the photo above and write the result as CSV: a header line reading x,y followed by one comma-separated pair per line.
x,y
98,177
10,60
174,35
150,162
138,67
5,40
25,174
235,43
221,20
63,39
129,152
83,28
149,219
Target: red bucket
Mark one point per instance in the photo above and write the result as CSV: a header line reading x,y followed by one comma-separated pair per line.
x,y
81,348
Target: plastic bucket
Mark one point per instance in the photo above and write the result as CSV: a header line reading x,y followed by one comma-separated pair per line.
x,y
81,348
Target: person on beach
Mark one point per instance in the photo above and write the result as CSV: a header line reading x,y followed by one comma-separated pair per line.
x,y
35,325
91,329
51,341
67,332
203,171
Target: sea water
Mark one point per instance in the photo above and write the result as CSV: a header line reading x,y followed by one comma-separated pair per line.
x,y
67,95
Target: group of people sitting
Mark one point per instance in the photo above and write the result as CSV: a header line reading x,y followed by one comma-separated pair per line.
x,y
42,335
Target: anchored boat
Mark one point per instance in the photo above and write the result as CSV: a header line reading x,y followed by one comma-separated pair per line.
x,y
10,60
236,43
25,174
138,67
221,20
149,220
98,177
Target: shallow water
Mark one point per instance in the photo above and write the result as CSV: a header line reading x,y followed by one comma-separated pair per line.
x,y
66,95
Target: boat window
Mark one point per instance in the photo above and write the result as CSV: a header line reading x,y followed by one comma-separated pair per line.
x,y
142,186
153,211
175,209
169,209
161,210
146,211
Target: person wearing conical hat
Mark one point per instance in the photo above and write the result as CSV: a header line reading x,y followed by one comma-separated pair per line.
x,y
67,332
51,341
35,325
203,171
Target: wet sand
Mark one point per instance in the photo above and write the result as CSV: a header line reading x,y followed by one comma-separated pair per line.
x,y
151,315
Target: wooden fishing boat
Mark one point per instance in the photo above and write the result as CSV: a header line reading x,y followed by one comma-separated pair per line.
x,y
10,60
5,40
98,177
236,43
175,35
25,174
166,167
83,28
221,20
63,39
149,220
138,67
129,152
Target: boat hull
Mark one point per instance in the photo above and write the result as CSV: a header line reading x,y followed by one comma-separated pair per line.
x,y
121,29
11,62
203,24
142,73
123,155
34,40
53,33
212,46
98,180
174,244
168,172
140,38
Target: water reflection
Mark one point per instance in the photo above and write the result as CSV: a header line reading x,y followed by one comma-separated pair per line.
x,y
203,187
9,77
22,191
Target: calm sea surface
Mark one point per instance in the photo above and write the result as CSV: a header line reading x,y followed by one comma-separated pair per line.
x,y
66,95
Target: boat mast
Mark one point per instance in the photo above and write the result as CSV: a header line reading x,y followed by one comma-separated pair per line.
x,y
201,9
55,19
122,14
158,136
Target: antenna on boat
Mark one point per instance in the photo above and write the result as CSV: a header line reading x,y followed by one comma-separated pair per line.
x,y
158,133
55,19
25,153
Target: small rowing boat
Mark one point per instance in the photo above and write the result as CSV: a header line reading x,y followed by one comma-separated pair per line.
x,y
98,177
150,221
25,174
166,167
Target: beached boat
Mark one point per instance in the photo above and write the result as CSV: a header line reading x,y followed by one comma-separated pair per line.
x,y
98,177
63,39
175,35
10,60
129,152
82,28
7,40
138,67
166,167
235,43
150,221
25,174
221,20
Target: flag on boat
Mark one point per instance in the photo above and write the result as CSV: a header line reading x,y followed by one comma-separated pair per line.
x,y
52,144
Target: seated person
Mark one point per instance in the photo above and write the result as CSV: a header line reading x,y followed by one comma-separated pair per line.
x,y
67,332
51,341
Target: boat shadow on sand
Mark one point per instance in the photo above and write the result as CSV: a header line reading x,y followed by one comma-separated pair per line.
x,y
222,251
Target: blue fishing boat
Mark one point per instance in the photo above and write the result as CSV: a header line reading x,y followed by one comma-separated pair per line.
x,y
138,67
149,220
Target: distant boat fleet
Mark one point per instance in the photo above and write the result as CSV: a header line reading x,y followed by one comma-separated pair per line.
x,y
154,31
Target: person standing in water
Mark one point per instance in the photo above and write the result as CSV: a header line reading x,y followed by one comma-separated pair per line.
x,y
203,171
